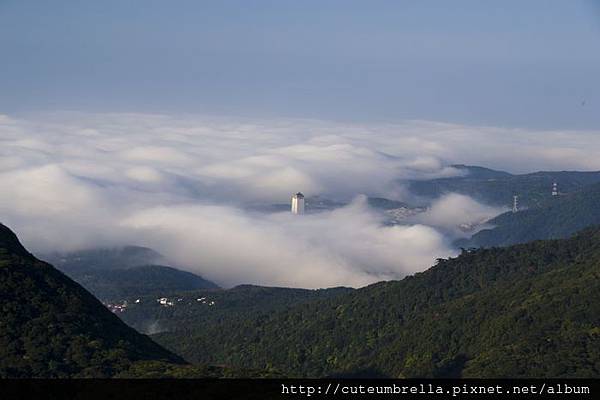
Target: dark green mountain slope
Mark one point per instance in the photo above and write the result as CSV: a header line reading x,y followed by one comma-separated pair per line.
x,y
50,326
497,187
530,310
200,308
558,218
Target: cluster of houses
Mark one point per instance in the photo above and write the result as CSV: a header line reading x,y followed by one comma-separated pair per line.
x,y
204,301
120,307
399,215
164,301
117,307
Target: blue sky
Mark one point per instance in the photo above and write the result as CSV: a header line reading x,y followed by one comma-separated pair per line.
x,y
505,63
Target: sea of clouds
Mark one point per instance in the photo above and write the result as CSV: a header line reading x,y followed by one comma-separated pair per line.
x,y
183,186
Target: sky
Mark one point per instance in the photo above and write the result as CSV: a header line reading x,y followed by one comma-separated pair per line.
x,y
163,123
527,64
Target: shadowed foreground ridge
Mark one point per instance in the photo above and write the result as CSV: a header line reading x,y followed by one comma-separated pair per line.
x,y
52,327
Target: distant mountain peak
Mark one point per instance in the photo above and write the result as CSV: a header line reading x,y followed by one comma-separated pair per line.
x,y
105,258
475,171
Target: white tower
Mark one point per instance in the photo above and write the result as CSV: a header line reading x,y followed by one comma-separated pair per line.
x,y
298,203
555,189
515,203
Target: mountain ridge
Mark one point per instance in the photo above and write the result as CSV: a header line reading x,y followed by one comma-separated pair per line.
x,y
559,218
530,310
120,272
52,327
497,188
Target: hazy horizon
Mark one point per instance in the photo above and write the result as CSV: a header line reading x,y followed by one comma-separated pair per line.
x,y
513,64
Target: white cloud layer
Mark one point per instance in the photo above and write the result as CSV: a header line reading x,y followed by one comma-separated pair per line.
x,y
346,246
179,185
457,214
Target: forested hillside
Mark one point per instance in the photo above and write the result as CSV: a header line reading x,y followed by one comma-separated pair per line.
x,y
52,327
558,218
197,309
498,187
530,310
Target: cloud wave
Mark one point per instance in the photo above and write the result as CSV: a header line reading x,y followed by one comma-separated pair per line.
x,y
183,184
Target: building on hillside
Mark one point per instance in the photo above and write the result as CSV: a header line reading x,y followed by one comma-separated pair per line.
x,y
298,203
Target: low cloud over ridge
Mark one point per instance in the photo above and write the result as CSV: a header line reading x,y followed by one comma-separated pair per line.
x,y
180,184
